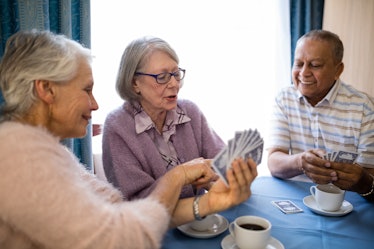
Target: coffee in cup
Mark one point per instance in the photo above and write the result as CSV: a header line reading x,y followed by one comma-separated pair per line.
x,y
328,196
251,232
251,226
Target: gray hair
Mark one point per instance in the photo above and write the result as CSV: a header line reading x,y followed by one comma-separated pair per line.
x,y
133,59
331,38
36,55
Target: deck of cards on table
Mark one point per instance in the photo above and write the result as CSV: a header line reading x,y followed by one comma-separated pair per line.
x,y
245,144
287,206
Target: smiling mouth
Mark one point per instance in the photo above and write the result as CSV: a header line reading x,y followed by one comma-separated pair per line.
x,y
306,82
86,117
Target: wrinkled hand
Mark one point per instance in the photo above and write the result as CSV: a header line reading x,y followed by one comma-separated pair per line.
x,y
240,177
316,168
198,172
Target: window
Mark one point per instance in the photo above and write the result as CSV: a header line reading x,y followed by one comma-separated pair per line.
x,y
236,54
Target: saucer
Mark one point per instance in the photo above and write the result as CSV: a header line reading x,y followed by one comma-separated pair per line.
x,y
310,202
229,243
221,224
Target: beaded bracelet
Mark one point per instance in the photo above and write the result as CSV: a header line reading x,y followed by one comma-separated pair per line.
x,y
195,207
371,190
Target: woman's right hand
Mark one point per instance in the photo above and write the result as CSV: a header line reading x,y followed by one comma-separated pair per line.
x,y
220,196
198,172
167,191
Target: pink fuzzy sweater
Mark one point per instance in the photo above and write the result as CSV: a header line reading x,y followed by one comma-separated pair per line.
x,y
48,200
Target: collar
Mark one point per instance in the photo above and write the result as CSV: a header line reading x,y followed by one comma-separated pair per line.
x,y
329,98
173,117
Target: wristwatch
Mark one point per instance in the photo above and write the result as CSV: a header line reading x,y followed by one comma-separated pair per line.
x,y
195,207
371,190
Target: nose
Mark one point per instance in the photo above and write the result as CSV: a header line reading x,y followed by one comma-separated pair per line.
x,y
94,104
305,71
173,82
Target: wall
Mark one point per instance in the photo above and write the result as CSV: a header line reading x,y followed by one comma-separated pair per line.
x,y
353,21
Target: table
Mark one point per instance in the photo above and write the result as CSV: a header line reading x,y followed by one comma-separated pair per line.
x,y
302,230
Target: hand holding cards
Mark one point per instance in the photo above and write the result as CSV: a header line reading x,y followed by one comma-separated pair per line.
x,y
245,144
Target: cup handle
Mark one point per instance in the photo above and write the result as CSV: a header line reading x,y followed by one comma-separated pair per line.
x,y
231,229
313,190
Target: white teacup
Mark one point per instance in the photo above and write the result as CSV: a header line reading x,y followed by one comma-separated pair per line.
x,y
205,224
328,196
251,232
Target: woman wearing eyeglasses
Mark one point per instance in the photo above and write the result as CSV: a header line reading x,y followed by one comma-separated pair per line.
x,y
153,131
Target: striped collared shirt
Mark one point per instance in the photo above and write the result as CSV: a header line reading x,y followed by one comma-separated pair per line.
x,y
343,120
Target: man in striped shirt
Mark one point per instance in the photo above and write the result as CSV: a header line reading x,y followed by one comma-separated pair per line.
x,y
321,114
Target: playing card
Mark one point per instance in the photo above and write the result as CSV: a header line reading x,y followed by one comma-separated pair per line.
x,y
245,144
256,153
231,146
345,157
287,206
341,156
220,163
329,156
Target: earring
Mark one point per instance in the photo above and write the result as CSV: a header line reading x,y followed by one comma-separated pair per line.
x,y
50,112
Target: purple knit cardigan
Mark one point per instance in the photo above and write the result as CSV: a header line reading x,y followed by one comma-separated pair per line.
x,y
133,163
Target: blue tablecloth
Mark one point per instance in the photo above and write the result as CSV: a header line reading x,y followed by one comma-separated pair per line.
x,y
302,230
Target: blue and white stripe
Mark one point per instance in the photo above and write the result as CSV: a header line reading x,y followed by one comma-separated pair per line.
x,y
343,120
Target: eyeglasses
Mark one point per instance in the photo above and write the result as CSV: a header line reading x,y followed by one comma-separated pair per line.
x,y
163,78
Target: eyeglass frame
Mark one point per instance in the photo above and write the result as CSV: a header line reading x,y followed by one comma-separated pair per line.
x,y
155,76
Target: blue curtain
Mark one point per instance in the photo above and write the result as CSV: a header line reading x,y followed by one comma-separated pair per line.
x,y
305,15
68,17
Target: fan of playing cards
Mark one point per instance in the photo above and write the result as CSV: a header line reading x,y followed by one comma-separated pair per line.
x,y
245,144
341,156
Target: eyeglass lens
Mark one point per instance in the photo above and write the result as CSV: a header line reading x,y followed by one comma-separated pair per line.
x,y
165,77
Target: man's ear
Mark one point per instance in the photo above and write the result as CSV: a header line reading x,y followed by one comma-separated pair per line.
x,y
339,70
44,90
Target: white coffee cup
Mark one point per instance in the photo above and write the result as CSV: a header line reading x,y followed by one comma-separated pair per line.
x,y
251,232
328,196
205,224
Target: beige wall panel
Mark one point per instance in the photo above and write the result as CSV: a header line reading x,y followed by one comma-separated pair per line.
x,y
353,21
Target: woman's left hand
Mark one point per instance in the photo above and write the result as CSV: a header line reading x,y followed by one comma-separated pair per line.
x,y
240,177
